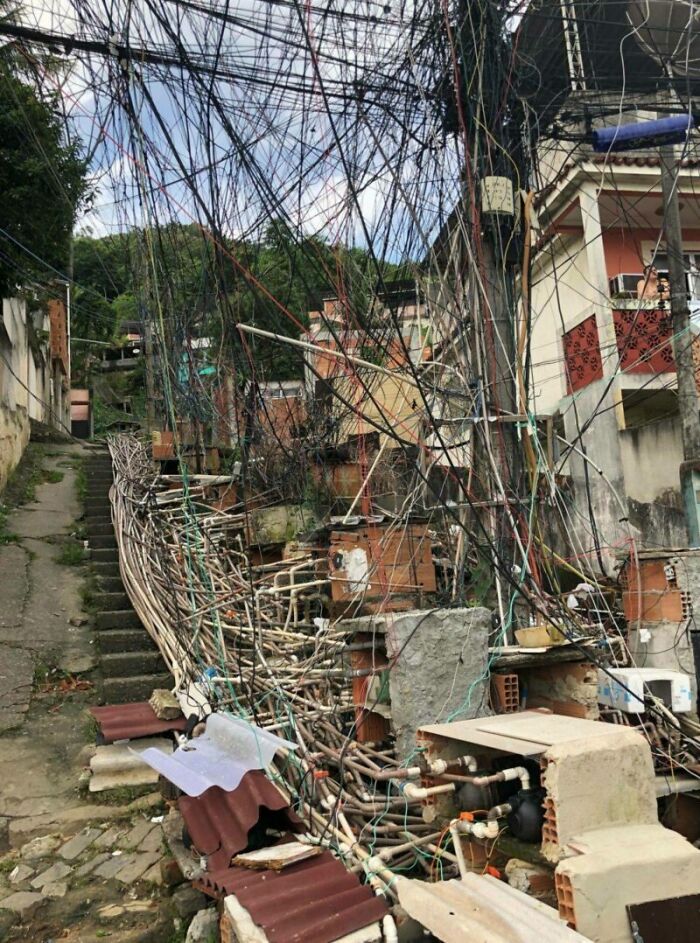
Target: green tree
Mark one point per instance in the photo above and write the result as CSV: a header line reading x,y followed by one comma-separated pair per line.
x,y
42,182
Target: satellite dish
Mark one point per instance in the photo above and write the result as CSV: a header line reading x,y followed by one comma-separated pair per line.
x,y
669,32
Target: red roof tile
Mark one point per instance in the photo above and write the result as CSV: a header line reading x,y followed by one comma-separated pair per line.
x,y
315,901
219,822
130,721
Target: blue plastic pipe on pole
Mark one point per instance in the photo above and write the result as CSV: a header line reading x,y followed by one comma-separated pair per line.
x,y
644,134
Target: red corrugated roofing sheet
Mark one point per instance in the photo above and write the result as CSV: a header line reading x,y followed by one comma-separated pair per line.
x,y
131,721
314,901
219,822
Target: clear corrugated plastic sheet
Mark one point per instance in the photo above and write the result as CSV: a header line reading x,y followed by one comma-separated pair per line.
x,y
225,752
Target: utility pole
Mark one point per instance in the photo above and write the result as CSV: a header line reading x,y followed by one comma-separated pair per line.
x,y
682,344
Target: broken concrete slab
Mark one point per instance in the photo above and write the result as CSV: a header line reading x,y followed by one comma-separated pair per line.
x,y
204,927
55,890
187,900
119,764
41,847
79,843
56,872
23,903
138,866
141,830
20,873
109,869
90,866
153,841
154,875
110,837
72,819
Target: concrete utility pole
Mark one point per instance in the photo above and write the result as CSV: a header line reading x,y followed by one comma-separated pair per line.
x,y
682,345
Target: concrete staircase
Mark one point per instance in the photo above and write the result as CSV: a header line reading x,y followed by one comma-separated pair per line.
x,y
131,664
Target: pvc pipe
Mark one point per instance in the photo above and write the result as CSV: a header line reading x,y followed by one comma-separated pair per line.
x,y
504,776
391,934
457,844
411,791
438,767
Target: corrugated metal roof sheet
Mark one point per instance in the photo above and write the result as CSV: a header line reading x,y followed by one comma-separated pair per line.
x,y
315,901
130,721
219,822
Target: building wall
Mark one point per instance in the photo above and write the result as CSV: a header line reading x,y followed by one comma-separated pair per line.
x,y
561,297
33,386
628,250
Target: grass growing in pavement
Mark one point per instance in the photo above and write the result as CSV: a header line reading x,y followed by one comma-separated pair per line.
x,y
6,536
71,553
53,475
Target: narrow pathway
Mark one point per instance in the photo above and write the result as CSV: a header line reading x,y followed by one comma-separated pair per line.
x,y
73,866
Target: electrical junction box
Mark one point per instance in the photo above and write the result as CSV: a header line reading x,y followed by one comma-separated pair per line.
x,y
626,690
497,196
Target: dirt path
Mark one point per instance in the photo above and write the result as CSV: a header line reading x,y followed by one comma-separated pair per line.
x,y
72,867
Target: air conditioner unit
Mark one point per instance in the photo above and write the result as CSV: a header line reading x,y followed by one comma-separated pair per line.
x,y
624,285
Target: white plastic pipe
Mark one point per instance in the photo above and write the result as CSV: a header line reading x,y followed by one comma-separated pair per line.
x,y
411,791
391,934
504,776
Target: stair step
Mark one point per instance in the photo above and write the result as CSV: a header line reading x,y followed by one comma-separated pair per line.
x,y
102,529
137,688
104,570
97,491
103,541
97,507
112,602
110,555
125,640
131,664
110,584
117,619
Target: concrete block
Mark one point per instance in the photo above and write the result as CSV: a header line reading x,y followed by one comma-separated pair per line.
x,y
113,641
439,668
204,927
597,782
618,866
119,764
187,900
